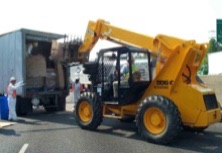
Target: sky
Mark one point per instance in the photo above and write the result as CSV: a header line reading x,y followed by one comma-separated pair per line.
x,y
186,19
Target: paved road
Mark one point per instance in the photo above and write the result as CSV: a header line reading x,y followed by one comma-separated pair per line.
x,y
58,133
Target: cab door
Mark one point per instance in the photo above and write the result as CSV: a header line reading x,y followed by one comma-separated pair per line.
x,y
136,78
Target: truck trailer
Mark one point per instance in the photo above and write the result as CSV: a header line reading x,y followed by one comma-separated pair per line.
x,y
26,55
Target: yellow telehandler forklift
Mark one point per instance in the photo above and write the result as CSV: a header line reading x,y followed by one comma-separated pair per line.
x,y
162,94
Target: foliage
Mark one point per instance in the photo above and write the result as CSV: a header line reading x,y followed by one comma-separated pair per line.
x,y
214,46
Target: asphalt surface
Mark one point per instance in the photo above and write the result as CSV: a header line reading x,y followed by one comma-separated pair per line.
x,y
43,132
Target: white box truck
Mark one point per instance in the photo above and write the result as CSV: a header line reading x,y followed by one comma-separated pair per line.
x,y
25,54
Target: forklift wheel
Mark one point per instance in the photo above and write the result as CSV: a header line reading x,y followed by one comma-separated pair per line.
x,y
88,111
158,120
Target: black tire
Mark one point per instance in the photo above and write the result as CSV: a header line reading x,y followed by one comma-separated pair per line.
x,y
62,103
23,106
19,107
170,121
94,119
50,109
51,106
61,106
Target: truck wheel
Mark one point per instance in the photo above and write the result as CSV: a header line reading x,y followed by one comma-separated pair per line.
x,y
50,109
88,111
158,120
19,107
62,103
50,106
23,106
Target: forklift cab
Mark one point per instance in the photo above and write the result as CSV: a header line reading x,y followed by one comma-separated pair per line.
x,y
132,66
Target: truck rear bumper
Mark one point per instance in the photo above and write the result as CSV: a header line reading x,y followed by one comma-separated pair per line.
x,y
46,93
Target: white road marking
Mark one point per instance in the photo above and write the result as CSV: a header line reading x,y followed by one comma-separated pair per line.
x,y
24,147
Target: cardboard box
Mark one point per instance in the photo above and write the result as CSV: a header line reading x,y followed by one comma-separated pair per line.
x,y
60,76
35,66
34,82
56,52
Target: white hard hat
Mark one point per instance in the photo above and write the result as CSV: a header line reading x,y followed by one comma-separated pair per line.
x,y
12,79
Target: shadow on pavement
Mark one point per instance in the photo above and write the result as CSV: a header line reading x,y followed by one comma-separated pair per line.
x,y
118,128
207,141
23,121
9,132
39,116
47,130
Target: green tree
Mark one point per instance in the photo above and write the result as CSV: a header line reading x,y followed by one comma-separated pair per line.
x,y
214,46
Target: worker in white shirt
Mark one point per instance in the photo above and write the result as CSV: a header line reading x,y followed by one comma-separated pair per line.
x,y
11,91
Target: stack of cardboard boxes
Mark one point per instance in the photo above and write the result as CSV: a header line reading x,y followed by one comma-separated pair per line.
x,y
35,72
40,77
